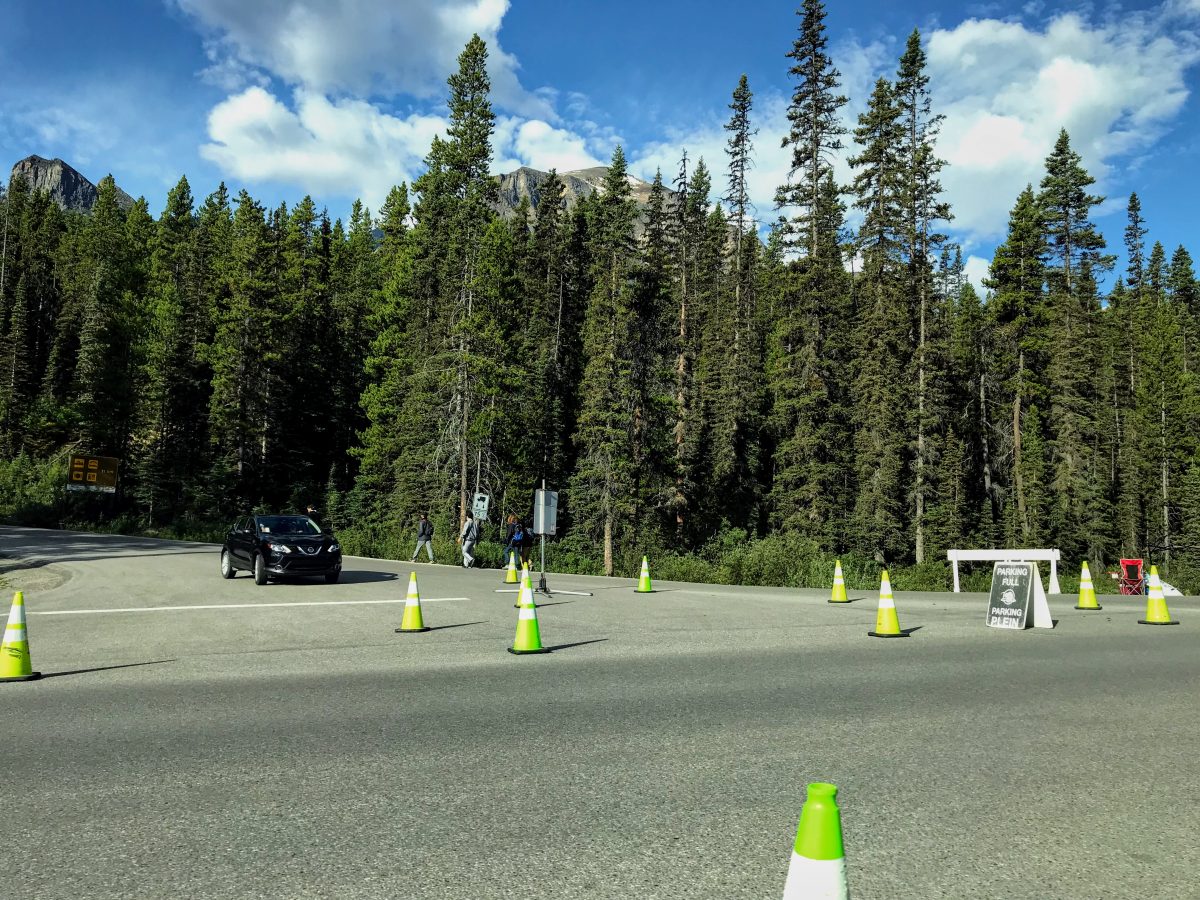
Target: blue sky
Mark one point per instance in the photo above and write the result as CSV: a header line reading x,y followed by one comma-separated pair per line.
x,y
340,98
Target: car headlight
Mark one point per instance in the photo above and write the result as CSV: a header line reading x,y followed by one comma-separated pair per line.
x,y
334,548
280,548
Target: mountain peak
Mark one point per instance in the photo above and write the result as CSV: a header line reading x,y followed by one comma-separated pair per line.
x,y
66,187
527,182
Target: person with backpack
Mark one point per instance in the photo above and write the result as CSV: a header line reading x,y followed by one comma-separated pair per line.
x,y
468,537
514,536
424,537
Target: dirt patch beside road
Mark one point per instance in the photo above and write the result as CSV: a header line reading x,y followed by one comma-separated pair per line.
x,y
30,575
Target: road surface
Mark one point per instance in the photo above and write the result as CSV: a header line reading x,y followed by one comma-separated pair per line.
x,y
196,737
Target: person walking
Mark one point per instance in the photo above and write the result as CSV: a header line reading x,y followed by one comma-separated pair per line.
x,y
512,538
467,537
424,537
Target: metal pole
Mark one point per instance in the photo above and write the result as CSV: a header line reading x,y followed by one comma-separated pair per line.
x,y
542,581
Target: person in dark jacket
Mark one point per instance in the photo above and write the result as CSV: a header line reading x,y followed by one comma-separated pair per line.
x,y
425,537
526,544
512,538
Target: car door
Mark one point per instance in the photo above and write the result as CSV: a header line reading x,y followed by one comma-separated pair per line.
x,y
239,542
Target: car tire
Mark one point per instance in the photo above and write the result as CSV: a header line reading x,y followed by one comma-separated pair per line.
x,y
227,569
260,570
332,577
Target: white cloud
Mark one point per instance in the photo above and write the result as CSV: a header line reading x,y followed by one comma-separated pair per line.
x,y
363,47
540,145
352,148
345,148
329,140
708,140
976,269
1006,90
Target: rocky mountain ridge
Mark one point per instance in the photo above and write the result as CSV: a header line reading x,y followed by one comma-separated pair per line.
x,y
72,191
66,187
577,184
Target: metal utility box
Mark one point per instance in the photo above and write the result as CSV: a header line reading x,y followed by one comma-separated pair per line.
x,y
545,512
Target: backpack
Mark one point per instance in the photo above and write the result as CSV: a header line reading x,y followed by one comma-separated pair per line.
x,y
518,534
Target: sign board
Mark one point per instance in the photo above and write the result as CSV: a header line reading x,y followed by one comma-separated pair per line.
x,y
545,512
479,506
1016,592
93,473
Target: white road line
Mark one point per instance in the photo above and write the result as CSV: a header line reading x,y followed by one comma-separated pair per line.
x,y
130,609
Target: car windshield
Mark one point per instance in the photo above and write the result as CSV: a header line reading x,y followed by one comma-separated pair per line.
x,y
287,525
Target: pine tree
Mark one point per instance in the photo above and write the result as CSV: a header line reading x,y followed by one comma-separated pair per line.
x,y
242,345
1018,315
807,378
601,493
815,134
922,207
429,406
884,332
103,284
168,404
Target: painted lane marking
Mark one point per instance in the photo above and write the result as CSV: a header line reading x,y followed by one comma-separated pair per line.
x,y
131,609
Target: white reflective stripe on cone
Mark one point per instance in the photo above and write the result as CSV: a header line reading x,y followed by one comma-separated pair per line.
x,y
17,616
412,601
13,636
815,879
886,602
527,612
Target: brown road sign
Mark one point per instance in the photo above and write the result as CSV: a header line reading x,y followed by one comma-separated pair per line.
x,y
93,473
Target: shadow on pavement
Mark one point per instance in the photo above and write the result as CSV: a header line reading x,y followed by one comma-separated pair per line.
x,y
155,662
458,625
554,647
552,603
347,577
911,630
359,577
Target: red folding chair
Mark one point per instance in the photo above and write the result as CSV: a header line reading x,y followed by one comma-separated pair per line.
x,y
1131,579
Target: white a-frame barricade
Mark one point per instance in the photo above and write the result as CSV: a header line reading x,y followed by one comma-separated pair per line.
x,y
1016,591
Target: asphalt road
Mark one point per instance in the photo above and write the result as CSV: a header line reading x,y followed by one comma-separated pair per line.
x,y
305,750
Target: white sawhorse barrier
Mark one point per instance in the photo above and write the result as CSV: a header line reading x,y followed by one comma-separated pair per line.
x,y
1051,556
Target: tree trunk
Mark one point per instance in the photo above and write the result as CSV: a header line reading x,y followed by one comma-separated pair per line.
x,y
1166,519
988,488
1018,475
919,549
608,544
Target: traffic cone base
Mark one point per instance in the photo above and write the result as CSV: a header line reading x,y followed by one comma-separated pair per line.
x,y
1095,608
839,585
1149,622
413,621
15,662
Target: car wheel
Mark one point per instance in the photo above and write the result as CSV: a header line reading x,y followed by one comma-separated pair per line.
x,y
227,569
332,577
260,570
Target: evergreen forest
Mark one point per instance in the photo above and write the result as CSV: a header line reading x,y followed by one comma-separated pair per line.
x,y
741,400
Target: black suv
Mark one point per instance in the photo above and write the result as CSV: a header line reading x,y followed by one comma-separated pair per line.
x,y
280,545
